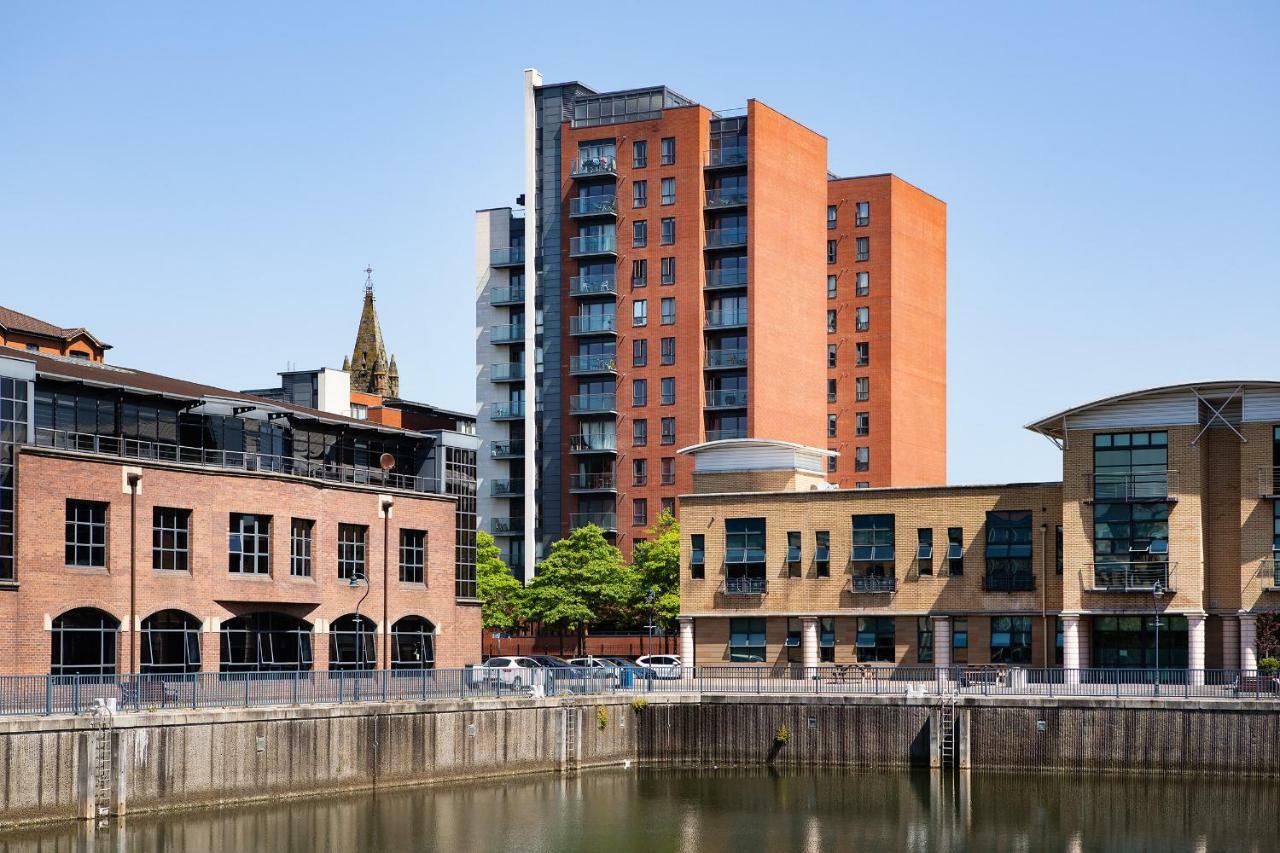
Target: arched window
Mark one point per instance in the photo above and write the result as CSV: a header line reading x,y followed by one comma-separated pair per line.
x,y
170,643
413,644
266,642
84,643
351,643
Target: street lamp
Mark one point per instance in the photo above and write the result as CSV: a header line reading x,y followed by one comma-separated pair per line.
x,y
355,581
1156,592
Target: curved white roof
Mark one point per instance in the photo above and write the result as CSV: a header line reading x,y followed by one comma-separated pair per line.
x,y
1165,405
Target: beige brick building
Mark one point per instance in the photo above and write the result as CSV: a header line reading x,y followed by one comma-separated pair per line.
x,y
1166,510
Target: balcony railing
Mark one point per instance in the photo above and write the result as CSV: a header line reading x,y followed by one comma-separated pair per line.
x,y
233,460
506,526
511,449
593,324
727,399
593,443
592,285
506,488
594,363
595,244
603,520
735,156
726,197
506,295
595,482
587,167
506,371
873,583
506,256
507,411
724,319
595,205
593,403
722,238
1009,582
1271,575
1269,481
509,334
726,358
719,279
1146,486
725,434
1130,576
746,586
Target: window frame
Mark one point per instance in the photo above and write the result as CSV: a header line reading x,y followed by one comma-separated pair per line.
x,y
88,519
413,556
243,561
179,552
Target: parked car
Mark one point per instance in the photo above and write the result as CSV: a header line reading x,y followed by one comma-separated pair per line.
x,y
517,672
664,666
624,672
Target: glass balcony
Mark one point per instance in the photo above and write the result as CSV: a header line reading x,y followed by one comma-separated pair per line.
x,y
604,520
726,434
727,399
591,443
510,526
726,359
589,167
592,285
595,363
590,404
718,319
718,199
511,449
596,244
722,157
507,371
508,411
506,256
506,295
506,488
594,205
723,238
598,482
593,324
726,278
509,334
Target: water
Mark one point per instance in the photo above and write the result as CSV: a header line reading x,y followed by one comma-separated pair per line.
x,y
730,810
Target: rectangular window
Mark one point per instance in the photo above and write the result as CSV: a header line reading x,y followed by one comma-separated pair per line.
x,y
862,319
300,531
862,423
640,194
352,541
875,641
668,387
1009,551
86,539
668,310
831,355
249,544
668,270
668,351
698,556
862,216
831,251
668,470
639,472
955,551
793,553
744,554
639,432
170,539
794,640
668,230
831,217
639,272
1011,639
873,545
639,512
746,640
831,464
831,321
960,639
831,390
639,154
639,392
640,233
862,283
832,425
1130,545
831,286
669,506
924,639
862,389
639,352
924,550
668,430
827,639
668,150
1057,546
640,312
861,354
862,459
413,556
864,248
1130,465
668,190
822,553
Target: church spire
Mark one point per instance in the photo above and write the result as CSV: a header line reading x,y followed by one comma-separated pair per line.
x,y
368,362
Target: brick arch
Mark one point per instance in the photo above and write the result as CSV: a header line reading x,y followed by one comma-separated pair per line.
x,y
401,614
92,604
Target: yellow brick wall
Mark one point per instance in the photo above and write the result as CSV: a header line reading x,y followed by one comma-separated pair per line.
x,y
1256,519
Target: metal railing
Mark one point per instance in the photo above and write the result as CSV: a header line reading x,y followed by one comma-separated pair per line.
x,y
507,411
1268,480
587,443
232,460
593,205
506,488
506,526
1148,486
505,256
596,244
1270,570
1129,576
727,399
720,319
873,583
726,197
506,371
725,278
719,238
594,363
726,358
589,324
603,520
746,586
725,434
596,482
728,156
506,295
1009,582
585,167
593,403
509,334
507,449
592,285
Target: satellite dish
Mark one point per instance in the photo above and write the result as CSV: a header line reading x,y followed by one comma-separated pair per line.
x,y
387,461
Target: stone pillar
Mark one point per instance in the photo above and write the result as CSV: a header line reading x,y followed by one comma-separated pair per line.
x,y
941,646
1071,648
809,642
1248,641
1230,642
1195,648
686,643
1086,656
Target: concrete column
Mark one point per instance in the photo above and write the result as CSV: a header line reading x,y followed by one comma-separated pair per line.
x,y
941,646
686,643
1195,648
809,641
1071,648
1248,641
1230,642
1086,627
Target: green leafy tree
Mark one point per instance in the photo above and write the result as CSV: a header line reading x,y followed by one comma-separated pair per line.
x,y
657,566
500,593
1268,628
582,582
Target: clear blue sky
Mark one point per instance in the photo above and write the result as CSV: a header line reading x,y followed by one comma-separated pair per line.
x,y
202,185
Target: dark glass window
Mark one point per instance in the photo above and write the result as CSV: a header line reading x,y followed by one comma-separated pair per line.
x,y
831,251
639,193
352,643
639,352
413,556
1124,642
955,551
698,556
169,643
249,544
413,644
822,553
639,154
668,355
1009,551
668,190
1011,639
793,554
639,233
352,543
1129,466
265,642
300,530
84,643
668,150
668,390
826,639
170,539
744,544
86,538
668,430
924,550
747,640
924,639
668,230
960,639
875,640
863,248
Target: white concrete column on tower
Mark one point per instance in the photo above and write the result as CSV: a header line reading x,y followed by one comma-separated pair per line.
x,y
1071,648
1195,648
686,643
1248,641
1230,642
532,80
809,642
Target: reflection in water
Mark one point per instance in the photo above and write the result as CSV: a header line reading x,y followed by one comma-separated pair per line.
x,y
719,811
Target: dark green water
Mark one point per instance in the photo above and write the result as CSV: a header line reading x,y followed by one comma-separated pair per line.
x,y
714,811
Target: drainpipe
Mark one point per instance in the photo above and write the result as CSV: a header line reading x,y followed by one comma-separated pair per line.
x,y
133,477
1044,591
387,503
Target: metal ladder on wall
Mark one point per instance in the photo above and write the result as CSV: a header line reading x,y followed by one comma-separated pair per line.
x,y
102,726
570,747
947,727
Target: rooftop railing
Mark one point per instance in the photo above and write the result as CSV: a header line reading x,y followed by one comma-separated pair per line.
x,y
726,434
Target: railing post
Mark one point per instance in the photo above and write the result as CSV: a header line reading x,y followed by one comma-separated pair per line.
x,y
195,690
295,687
341,686
386,682
48,695
75,693
757,681
246,690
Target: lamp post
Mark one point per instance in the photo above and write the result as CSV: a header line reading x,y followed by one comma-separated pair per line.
x,y
356,580
1156,592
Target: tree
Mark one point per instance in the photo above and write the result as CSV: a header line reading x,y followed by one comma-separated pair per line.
x,y
500,593
582,582
657,567
1268,632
